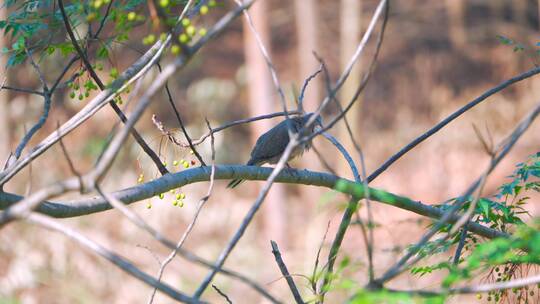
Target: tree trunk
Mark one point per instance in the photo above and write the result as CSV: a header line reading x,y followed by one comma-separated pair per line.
x,y
350,31
306,29
261,94
456,20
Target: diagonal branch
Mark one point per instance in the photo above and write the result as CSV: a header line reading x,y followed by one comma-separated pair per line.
x,y
49,223
449,119
285,273
506,145
117,110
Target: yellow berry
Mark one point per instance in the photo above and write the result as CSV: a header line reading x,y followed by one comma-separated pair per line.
x,y
148,206
190,30
191,152
175,163
212,3
161,195
131,16
180,204
149,39
182,195
98,4
186,165
204,10
164,3
186,22
91,17
175,203
183,38
172,191
175,49
203,32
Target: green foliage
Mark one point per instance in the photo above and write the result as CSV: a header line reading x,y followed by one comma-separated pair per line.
x,y
389,297
502,212
516,46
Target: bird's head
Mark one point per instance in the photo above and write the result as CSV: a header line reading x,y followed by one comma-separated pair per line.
x,y
317,124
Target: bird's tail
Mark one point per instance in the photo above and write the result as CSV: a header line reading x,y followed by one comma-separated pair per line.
x,y
234,183
237,181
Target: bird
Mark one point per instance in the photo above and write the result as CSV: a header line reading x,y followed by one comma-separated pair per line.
x,y
271,145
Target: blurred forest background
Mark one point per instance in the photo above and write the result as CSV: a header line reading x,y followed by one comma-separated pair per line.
x,y
436,56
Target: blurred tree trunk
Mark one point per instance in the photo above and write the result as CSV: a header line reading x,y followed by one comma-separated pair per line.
x,y
520,8
261,101
350,31
306,29
497,9
4,127
307,33
456,19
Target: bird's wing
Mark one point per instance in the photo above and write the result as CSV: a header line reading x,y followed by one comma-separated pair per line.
x,y
271,144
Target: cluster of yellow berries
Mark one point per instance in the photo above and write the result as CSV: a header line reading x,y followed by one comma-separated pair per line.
x,y
183,162
178,199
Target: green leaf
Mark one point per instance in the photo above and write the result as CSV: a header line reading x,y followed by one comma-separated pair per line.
x,y
505,40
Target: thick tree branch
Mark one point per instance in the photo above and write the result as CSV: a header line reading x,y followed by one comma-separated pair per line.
x,y
200,174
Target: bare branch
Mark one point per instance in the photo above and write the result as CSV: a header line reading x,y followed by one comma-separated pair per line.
x,y
138,69
117,260
42,119
21,90
221,293
304,87
450,118
266,56
117,110
504,147
225,172
285,273
192,224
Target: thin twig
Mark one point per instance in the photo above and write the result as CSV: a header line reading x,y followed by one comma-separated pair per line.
x,y
239,122
323,160
191,225
221,293
285,273
101,85
293,142
130,75
72,168
21,90
46,109
112,257
505,147
266,56
317,259
450,118
304,87
383,4
181,123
